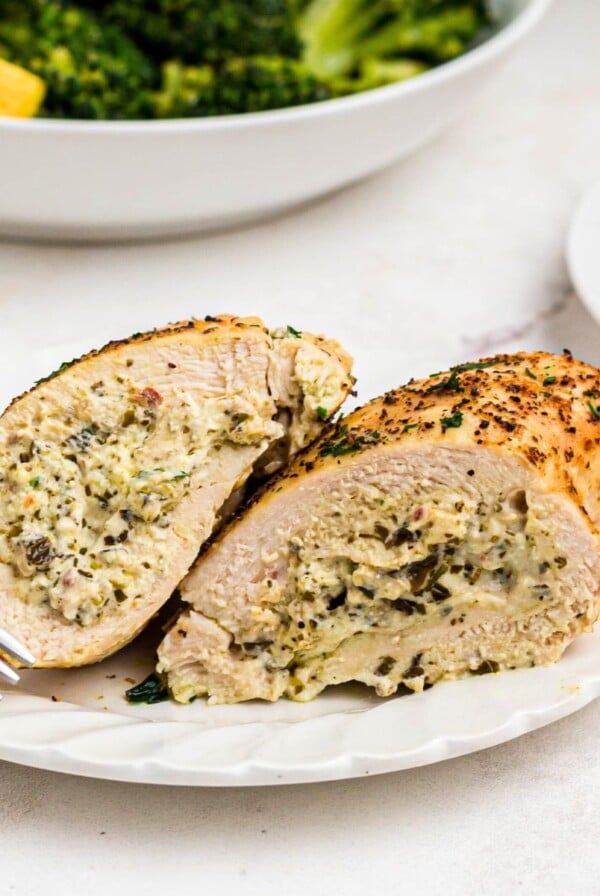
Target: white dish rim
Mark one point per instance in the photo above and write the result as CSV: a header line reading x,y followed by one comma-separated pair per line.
x,y
576,236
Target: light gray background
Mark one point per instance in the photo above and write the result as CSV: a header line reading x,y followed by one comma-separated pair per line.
x,y
460,250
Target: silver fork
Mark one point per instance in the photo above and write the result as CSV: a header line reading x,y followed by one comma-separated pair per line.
x,y
9,646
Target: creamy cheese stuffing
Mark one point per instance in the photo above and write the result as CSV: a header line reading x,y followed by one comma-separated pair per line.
x,y
393,567
75,494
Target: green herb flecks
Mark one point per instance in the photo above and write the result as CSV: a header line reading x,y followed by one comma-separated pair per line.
x,y
345,442
450,384
594,410
410,427
35,482
181,475
82,440
145,474
549,381
452,422
64,366
295,334
476,365
531,375
151,690
322,413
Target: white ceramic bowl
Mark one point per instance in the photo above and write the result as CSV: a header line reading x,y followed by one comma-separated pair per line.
x,y
106,180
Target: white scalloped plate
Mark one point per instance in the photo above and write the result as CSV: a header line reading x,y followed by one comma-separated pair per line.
x,y
89,729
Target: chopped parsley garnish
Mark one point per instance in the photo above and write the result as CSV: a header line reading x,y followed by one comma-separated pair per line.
x,y
344,442
151,690
531,375
35,482
451,384
549,381
322,413
454,421
180,475
295,334
410,426
593,408
476,365
64,366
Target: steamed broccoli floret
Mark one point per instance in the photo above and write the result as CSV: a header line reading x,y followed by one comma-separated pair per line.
x,y
90,70
205,30
373,73
262,83
239,85
340,35
348,46
16,33
125,59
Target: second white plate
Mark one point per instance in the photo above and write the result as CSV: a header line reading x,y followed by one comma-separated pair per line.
x,y
583,256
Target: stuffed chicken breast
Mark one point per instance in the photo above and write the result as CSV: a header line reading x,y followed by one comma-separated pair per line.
x,y
113,471
446,529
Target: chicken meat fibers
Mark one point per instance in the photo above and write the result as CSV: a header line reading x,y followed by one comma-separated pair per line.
x,y
113,470
446,529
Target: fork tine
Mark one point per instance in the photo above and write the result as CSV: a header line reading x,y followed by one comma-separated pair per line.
x,y
8,673
10,645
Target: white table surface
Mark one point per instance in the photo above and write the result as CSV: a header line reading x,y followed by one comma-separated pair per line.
x,y
460,251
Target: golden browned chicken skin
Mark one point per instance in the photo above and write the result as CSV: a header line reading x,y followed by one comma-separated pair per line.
x,y
447,528
113,471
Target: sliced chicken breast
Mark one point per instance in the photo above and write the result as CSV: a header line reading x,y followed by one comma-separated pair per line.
x,y
114,469
446,529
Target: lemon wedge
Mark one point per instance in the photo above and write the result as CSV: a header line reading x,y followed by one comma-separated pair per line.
x,y
21,92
